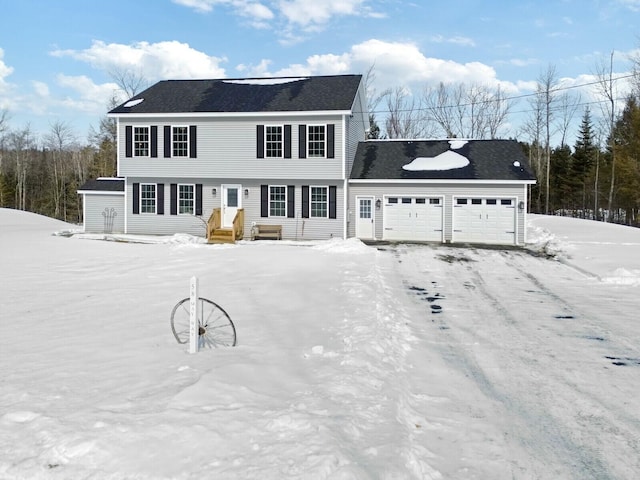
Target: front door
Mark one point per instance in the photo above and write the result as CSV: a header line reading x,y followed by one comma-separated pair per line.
x,y
364,220
231,202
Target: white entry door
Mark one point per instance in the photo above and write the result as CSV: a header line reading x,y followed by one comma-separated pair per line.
x,y
364,218
231,202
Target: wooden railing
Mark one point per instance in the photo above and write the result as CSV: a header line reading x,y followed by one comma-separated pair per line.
x,y
238,225
215,223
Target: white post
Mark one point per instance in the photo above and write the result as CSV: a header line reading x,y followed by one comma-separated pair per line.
x,y
194,336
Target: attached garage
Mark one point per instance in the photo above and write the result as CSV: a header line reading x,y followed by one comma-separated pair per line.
x,y
417,218
446,191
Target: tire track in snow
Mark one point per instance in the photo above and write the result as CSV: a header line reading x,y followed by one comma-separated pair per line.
x,y
540,430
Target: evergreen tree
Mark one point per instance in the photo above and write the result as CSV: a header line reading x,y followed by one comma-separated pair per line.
x,y
582,164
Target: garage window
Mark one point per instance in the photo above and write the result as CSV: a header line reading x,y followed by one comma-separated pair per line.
x,y
421,201
476,201
434,201
393,200
492,201
506,201
461,201
406,200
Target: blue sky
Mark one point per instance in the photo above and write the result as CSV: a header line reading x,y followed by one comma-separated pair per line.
x,y
56,56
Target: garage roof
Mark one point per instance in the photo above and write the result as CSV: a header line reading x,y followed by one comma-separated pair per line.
x,y
453,159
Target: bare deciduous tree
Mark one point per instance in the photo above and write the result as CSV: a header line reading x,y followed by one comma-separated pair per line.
x,y
131,82
606,86
466,111
403,115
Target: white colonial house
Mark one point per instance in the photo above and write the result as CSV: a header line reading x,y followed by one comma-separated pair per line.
x,y
288,158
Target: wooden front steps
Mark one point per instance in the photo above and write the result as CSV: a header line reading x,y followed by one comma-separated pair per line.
x,y
217,234
221,235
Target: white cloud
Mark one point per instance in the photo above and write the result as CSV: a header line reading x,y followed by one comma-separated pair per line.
x,y
457,40
5,71
633,5
305,13
256,11
287,17
162,60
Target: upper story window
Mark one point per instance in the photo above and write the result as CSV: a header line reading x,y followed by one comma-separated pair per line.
x,y
273,141
141,141
316,141
147,198
180,141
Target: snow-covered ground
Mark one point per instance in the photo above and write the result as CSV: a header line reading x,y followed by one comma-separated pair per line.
x,y
353,362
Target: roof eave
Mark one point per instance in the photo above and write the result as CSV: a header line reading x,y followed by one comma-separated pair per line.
x,y
304,113
443,180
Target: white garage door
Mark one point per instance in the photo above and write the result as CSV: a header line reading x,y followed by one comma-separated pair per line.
x,y
413,218
484,220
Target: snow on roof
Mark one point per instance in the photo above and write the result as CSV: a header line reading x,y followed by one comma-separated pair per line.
x,y
133,103
445,161
456,144
264,81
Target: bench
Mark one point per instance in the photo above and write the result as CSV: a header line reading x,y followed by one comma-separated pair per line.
x,y
266,232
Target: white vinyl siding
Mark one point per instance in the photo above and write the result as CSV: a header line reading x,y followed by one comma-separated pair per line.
x,y
226,148
103,213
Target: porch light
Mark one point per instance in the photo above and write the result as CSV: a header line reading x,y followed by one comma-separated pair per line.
x,y
213,192
378,204
246,193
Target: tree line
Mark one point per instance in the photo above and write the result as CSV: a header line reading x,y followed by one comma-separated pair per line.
x,y
595,175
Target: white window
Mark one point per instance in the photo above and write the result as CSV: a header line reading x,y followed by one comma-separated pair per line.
x,y
186,199
316,140
141,141
180,141
277,201
147,198
273,141
319,202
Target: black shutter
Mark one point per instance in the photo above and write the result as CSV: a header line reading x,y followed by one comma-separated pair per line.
x,y
332,201
260,141
331,133
167,141
128,141
136,198
291,201
287,141
198,199
173,198
193,141
154,141
160,199
302,141
305,201
264,200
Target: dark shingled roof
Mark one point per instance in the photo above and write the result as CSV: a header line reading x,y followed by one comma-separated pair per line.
x,y
488,160
285,94
104,185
